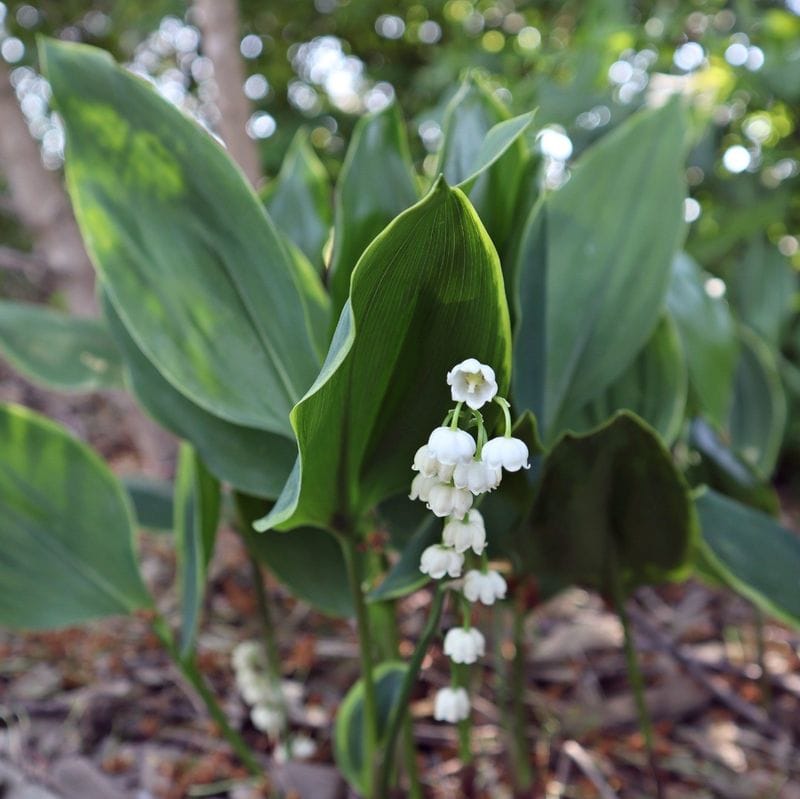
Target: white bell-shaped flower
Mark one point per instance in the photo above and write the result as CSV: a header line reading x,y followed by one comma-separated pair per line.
x,y
450,446
421,487
302,748
446,500
464,646
466,533
267,718
248,655
486,587
451,705
427,465
472,382
505,451
254,686
436,561
477,476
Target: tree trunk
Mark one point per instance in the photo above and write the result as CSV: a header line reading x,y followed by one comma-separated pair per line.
x,y
42,206
219,24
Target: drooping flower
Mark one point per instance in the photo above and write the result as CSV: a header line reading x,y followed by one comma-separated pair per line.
x,y
254,686
466,533
451,705
486,587
447,500
477,476
267,718
421,487
450,446
472,382
436,561
463,645
510,453
302,748
426,464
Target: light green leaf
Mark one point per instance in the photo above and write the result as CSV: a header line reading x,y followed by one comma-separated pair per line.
x,y
299,199
197,504
594,266
758,415
653,387
59,351
708,333
348,732
309,562
251,460
426,294
611,501
152,502
482,150
193,264
66,530
752,553
376,183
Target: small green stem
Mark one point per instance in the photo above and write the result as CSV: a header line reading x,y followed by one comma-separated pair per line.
x,y
503,403
456,414
356,578
399,709
191,673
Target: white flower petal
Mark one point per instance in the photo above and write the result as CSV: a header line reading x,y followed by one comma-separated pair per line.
x,y
451,705
472,382
510,453
450,446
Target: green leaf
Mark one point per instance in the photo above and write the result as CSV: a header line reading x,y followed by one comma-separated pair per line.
x,y
309,562
594,266
758,415
653,387
348,733
251,460
299,199
610,500
753,554
197,504
66,530
152,502
58,351
708,333
483,153
427,294
192,262
376,183
763,285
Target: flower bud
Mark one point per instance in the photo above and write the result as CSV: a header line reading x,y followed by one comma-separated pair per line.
x,y
451,705
464,646
484,587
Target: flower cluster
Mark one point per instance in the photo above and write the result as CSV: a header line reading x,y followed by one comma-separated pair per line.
x,y
453,470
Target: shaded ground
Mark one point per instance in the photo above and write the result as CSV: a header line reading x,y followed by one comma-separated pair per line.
x,y
100,712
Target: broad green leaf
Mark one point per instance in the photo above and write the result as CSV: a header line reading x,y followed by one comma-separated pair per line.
x,y
309,562
376,183
152,502
758,415
762,288
197,504
348,733
482,152
59,351
752,553
318,301
426,294
653,387
611,501
251,460
66,529
299,199
192,262
708,333
594,266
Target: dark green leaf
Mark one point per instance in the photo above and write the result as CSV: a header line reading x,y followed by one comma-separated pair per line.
x,y
197,504
752,553
427,294
193,264
251,460
595,264
613,500
653,387
59,351
708,334
66,529
348,733
299,199
152,502
375,185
